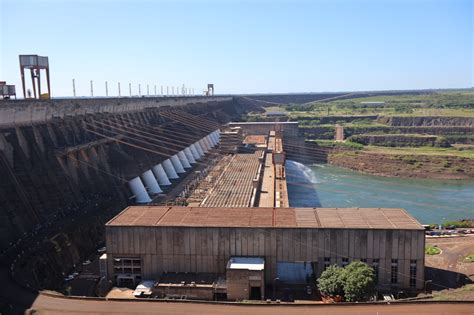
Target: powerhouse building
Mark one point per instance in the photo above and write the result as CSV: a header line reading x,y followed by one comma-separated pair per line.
x,y
291,245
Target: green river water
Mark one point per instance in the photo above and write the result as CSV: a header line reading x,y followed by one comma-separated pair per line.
x,y
429,201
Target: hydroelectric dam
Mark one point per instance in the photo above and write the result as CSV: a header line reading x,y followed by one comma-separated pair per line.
x,y
70,165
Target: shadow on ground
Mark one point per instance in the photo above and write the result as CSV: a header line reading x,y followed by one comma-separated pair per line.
x,y
440,279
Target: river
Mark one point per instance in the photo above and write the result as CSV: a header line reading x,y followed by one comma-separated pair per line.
x,y
429,201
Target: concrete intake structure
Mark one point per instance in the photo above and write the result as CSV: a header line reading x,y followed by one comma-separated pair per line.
x,y
210,143
215,134
169,169
183,159
213,139
199,149
160,175
195,152
189,155
204,147
151,183
139,191
177,164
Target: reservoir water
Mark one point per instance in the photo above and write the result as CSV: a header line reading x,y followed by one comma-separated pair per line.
x,y
429,201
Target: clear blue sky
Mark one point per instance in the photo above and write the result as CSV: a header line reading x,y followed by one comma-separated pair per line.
x,y
242,46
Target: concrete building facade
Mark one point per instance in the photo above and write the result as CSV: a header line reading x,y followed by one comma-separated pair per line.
x,y
155,240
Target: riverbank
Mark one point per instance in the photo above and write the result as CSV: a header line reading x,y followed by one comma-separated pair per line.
x,y
433,163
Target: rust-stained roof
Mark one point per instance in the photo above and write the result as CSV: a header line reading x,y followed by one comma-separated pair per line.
x,y
355,218
255,139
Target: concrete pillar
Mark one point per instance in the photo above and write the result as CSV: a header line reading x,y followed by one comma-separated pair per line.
x,y
139,191
160,175
151,183
183,159
199,149
177,164
216,135
213,135
189,155
195,152
207,142
169,169
204,146
211,141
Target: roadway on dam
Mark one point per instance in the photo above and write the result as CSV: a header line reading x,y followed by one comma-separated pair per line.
x,y
46,304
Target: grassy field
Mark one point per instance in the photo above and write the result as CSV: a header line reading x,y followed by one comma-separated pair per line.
x,y
422,151
462,294
446,103
469,258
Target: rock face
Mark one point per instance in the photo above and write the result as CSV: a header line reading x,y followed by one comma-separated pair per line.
x,y
401,165
75,164
426,121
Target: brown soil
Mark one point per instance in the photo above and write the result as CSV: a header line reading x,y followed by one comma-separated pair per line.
x,y
454,250
402,165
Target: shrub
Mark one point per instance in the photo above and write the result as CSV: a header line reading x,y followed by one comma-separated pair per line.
x,y
356,282
331,282
432,250
457,224
359,281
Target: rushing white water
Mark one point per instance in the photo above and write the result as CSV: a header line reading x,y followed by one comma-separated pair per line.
x,y
300,171
301,182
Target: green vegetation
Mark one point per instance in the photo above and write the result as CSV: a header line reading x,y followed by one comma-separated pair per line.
x,y
338,144
432,250
355,282
457,224
331,282
464,293
422,151
443,103
469,258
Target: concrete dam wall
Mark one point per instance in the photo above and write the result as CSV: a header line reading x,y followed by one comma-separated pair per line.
x,y
65,167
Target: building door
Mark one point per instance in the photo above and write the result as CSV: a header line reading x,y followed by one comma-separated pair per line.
x,y
255,293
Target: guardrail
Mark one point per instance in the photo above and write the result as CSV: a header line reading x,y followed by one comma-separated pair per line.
x,y
20,113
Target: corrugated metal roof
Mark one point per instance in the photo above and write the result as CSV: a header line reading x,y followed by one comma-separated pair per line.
x,y
355,218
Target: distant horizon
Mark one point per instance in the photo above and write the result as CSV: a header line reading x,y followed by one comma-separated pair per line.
x,y
20,97
242,47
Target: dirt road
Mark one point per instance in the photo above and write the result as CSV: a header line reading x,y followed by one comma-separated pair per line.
x,y
54,305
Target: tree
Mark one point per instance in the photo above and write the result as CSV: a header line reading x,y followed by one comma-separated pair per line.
x,y
331,282
359,281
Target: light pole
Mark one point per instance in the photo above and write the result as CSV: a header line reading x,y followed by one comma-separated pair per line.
x,y
274,287
426,284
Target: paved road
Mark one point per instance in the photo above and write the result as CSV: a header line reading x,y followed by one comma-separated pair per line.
x,y
54,305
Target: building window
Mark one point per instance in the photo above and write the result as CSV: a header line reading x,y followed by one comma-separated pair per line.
x,y
394,272
413,273
375,265
327,262
129,266
345,262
